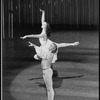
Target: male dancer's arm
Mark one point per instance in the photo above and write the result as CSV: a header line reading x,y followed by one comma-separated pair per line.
x,y
59,45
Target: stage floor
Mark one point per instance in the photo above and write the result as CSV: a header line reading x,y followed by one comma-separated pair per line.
x,y
78,69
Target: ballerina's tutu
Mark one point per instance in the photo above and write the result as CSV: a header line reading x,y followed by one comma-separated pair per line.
x,y
39,53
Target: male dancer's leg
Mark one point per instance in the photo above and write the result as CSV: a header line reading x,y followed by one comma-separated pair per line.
x,y
47,76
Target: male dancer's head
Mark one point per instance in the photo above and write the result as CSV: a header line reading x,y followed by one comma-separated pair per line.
x,y
53,48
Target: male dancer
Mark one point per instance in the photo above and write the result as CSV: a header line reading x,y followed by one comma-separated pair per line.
x,y
46,62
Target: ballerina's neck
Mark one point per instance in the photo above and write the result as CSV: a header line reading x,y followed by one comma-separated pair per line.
x,y
44,30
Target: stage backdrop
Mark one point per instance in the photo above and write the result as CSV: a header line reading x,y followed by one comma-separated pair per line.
x,y
19,13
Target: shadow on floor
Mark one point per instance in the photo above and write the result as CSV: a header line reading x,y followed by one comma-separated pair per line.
x,y
57,81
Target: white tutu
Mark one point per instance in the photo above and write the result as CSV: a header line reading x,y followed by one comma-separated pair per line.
x,y
39,52
43,50
42,53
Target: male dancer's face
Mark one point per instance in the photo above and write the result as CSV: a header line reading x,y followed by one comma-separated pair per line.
x,y
52,47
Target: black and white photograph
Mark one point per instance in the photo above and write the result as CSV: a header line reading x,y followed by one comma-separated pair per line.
x,y
49,49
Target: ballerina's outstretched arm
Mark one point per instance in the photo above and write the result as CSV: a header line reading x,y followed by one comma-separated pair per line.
x,y
37,35
33,36
43,16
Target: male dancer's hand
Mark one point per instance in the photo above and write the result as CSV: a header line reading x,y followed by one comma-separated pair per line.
x,y
76,43
37,57
24,37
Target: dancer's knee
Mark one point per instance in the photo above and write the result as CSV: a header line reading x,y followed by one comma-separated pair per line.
x,y
51,91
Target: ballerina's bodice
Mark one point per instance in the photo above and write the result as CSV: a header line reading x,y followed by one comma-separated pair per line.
x,y
42,40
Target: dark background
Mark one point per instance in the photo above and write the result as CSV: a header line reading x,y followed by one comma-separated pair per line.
x,y
70,21
19,15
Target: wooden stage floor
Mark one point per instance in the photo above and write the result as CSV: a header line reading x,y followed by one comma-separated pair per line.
x,y
78,70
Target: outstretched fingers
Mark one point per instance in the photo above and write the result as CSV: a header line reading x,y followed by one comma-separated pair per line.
x,y
76,43
31,44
